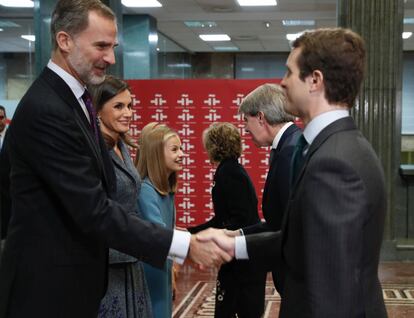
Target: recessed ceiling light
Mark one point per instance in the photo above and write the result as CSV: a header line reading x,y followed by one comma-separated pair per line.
x,y
141,3
179,65
29,37
267,25
293,36
298,22
200,24
256,3
406,35
214,37
8,24
17,3
226,48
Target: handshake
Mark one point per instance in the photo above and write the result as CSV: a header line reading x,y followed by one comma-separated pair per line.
x,y
212,247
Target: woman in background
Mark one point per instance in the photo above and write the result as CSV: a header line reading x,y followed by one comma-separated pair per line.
x,y
240,288
160,160
127,294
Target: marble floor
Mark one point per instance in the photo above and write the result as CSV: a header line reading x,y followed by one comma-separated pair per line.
x,y
195,288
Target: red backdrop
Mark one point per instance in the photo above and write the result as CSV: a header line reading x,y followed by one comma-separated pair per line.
x,y
190,106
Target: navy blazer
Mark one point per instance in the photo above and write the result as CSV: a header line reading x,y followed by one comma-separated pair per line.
x,y
276,189
54,263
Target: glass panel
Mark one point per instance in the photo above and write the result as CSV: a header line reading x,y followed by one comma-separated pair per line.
x,y
17,64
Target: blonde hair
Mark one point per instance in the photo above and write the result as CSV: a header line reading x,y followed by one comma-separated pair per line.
x,y
151,157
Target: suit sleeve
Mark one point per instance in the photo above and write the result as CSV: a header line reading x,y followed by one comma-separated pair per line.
x,y
334,205
55,148
256,228
264,249
5,203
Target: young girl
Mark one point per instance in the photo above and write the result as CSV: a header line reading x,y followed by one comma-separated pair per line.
x,y
160,159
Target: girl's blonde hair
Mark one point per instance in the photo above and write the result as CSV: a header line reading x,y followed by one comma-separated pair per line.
x,y
151,158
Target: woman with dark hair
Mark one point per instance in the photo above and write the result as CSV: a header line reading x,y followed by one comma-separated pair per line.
x,y
240,287
127,294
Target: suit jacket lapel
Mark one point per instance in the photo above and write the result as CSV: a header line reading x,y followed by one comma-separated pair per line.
x,y
58,85
342,124
124,165
289,131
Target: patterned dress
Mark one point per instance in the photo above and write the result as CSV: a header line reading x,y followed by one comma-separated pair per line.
x,y
127,294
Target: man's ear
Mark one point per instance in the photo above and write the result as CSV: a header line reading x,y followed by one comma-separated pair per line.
x,y
64,41
260,117
316,79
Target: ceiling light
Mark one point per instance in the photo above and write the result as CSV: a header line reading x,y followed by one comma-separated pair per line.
x,y
214,37
29,37
179,65
256,3
8,24
293,36
200,24
17,3
153,38
226,48
247,69
267,25
141,3
406,35
298,22
1,29
408,20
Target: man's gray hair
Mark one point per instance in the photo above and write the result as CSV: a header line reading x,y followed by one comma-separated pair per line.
x,y
72,16
269,99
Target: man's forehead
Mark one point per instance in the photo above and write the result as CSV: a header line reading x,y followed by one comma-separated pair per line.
x,y
293,55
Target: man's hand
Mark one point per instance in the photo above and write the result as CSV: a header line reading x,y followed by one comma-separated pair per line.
x,y
207,253
225,242
232,233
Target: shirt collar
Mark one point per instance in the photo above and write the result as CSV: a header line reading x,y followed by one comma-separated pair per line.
x,y
76,87
321,121
279,134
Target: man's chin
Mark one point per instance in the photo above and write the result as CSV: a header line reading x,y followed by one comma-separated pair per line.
x,y
96,79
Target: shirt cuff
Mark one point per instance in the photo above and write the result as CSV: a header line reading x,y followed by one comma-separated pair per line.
x,y
241,248
179,246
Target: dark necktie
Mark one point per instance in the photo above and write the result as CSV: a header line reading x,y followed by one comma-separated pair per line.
x,y
272,157
298,158
86,97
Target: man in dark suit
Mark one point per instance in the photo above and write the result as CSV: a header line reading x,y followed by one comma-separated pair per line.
x,y
332,232
269,125
56,168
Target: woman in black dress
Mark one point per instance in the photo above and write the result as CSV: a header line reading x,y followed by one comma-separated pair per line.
x,y
240,288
